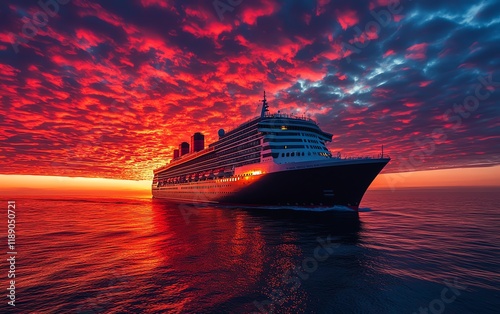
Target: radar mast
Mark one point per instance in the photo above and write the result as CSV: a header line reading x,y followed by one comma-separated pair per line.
x,y
265,106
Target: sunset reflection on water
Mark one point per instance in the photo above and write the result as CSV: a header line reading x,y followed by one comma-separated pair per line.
x,y
152,256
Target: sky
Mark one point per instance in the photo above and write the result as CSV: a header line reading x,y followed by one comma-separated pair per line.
x,y
109,89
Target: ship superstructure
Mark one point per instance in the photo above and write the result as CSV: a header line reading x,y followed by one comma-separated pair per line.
x,y
273,159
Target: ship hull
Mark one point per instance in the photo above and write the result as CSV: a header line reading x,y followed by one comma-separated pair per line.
x,y
333,184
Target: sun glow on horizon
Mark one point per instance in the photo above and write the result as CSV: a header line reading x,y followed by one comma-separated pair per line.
x,y
11,185
50,185
477,176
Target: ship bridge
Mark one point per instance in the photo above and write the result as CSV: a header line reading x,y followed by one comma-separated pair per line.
x,y
291,139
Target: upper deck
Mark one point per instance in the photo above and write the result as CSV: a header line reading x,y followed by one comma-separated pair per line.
x,y
183,159
245,143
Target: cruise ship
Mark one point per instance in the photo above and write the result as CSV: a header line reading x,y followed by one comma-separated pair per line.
x,y
271,160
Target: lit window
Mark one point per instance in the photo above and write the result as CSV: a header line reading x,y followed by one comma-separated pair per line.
x,y
283,127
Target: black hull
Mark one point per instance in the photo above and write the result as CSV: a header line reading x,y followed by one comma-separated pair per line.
x,y
343,184
326,186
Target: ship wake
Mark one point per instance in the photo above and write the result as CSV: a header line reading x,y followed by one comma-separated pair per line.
x,y
336,208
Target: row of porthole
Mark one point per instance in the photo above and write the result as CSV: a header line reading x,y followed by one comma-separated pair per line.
x,y
220,180
204,187
197,187
303,154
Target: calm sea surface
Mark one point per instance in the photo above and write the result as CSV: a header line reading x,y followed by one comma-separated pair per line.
x,y
410,251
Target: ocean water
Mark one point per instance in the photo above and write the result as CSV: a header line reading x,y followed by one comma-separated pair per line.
x,y
408,251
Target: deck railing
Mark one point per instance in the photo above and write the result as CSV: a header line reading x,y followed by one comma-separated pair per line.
x,y
273,115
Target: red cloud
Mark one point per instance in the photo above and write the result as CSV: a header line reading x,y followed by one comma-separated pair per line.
x,y
321,6
417,51
347,18
87,39
389,52
251,14
160,3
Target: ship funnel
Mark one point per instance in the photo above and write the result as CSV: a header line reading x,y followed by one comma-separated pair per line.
x,y
197,142
184,148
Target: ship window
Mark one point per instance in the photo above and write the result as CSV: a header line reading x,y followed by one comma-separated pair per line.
x,y
282,154
287,154
293,154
